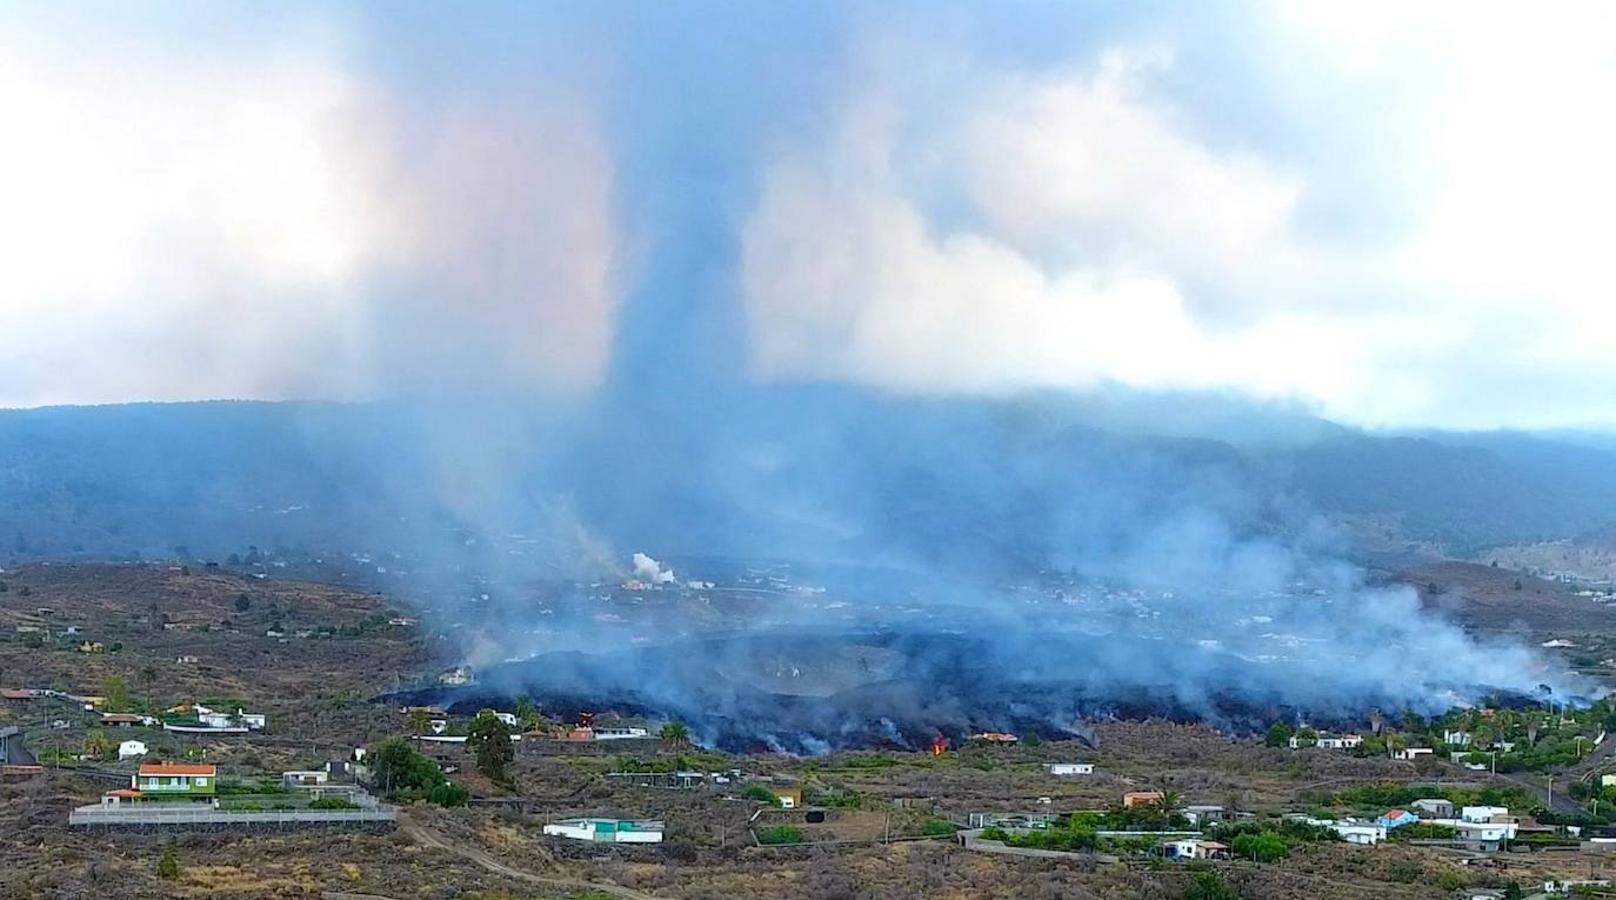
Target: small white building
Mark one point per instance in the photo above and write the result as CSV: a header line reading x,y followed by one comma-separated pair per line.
x,y
1352,831
509,720
1194,848
301,778
1486,832
610,831
210,718
131,750
1483,813
459,675
1435,807
1412,753
619,733
1328,742
1069,768
1455,738
1567,886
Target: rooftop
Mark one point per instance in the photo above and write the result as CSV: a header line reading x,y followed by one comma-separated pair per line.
x,y
177,769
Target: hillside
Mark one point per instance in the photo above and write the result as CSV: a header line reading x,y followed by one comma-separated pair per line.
x,y
175,635
978,487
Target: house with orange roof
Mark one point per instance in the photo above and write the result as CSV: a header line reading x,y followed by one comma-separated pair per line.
x,y
1396,818
1140,798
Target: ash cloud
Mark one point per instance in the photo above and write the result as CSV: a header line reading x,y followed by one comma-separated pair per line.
x,y
623,306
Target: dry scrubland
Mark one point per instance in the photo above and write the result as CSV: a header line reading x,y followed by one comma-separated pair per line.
x,y
315,691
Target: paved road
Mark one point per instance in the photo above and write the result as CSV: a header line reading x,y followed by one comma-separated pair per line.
x,y
430,838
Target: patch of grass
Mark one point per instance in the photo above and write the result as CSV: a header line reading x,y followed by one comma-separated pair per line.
x,y
780,834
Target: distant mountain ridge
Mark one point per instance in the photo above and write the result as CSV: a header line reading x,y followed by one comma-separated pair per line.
x,y
1003,482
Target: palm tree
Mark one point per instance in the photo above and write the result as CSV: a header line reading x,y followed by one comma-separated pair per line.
x,y
96,745
674,734
419,720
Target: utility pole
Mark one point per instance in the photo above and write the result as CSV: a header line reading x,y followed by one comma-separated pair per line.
x,y
1551,793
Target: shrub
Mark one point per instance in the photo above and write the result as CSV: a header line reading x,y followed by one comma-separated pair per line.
x,y
1404,871
780,834
333,803
937,827
1210,886
448,794
1262,846
167,865
400,769
760,793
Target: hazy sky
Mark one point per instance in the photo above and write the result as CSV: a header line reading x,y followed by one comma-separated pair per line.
x,y
1398,214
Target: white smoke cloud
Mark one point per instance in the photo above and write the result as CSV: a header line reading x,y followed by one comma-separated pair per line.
x,y
967,225
269,221
649,570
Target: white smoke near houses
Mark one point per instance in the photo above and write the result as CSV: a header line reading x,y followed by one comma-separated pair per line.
x,y
650,571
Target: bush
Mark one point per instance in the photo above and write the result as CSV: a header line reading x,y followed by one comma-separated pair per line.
x,y
780,834
1210,886
1423,831
167,865
448,794
1451,881
937,827
332,803
761,794
1262,846
1404,871
399,769
1072,838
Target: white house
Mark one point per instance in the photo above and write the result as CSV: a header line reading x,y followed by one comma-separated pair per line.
x,y
1565,887
456,676
297,778
1329,742
619,733
1353,832
1412,753
509,719
612,831
211,718
1455,738
1483,831
1069,768
131,749
1194,848
1483,813
1436,807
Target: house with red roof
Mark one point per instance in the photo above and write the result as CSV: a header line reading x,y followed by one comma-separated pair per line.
x,y
1396,818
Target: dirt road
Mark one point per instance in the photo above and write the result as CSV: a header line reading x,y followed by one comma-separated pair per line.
x,y
424,835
